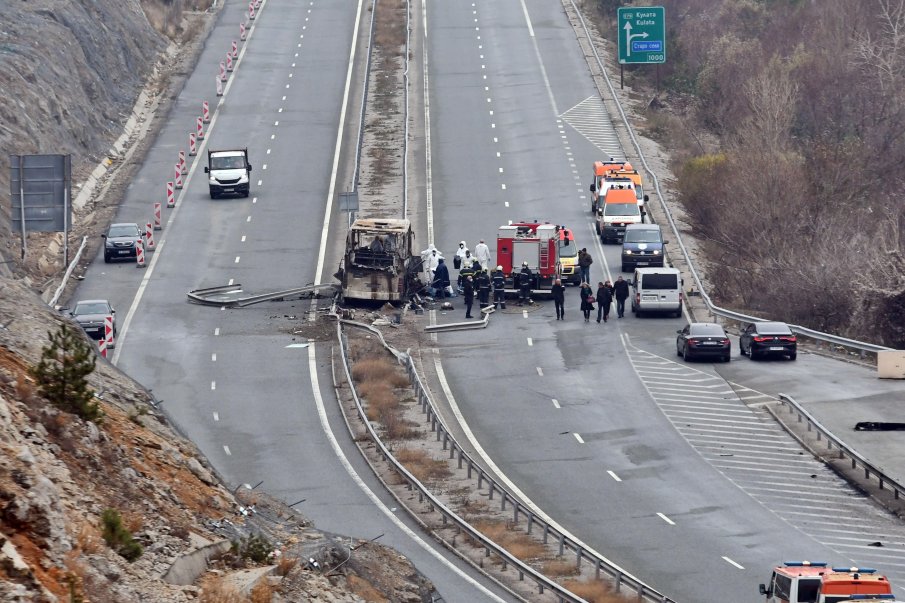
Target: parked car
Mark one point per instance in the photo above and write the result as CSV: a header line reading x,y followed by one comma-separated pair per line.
x,y
642,245
122,241
767,339
703,339
90,314
656,290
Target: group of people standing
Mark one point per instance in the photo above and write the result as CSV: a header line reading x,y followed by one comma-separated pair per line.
x,y
606,293
475,280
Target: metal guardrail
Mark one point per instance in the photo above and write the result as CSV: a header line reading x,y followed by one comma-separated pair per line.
x,y
213,296
460,326
843,450
490,547
713,308
364,100
534,523
56,296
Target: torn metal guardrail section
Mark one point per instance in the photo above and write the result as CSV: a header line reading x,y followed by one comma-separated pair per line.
x,y
460,326
224,295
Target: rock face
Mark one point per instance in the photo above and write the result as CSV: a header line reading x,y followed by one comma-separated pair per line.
x,y
69,76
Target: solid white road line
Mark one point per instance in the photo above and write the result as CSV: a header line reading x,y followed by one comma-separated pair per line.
x,y
340,455
325,229
614,476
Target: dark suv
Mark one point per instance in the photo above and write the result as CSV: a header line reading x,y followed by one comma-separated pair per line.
x,y
642,245
122,241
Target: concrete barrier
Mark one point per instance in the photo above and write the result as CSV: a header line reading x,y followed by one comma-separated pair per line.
x,y
891,364
189,567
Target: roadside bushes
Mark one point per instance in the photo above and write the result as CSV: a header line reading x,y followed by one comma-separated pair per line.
x,y
62,373
118,537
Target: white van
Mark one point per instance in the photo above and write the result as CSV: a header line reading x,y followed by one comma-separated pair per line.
x,y
656,290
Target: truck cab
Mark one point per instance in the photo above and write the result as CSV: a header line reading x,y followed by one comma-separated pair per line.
x,y
618,210
813,582
228,172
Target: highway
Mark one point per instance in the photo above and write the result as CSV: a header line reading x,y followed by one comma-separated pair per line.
x,y
261,412
632,452
638,455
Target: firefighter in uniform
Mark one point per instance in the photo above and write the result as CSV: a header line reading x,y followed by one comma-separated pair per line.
x,y
483,289
524,284
464,273
499,288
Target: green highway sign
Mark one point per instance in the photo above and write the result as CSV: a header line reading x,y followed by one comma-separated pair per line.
x,y
642,34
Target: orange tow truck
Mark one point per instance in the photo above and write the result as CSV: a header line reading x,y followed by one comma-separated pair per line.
x,y
814,582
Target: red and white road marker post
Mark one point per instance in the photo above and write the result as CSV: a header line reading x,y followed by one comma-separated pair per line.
x,y
182,166
222,71
139,255
178,180
149,235
242,33
171,195
257,4
199,128
206,112
219,86
193,150
229,61
235,49
108,332
157,225
251,10
102,347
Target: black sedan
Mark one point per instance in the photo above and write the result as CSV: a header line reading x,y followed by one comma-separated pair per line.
x,y
90,314
768,338
703,339
122,242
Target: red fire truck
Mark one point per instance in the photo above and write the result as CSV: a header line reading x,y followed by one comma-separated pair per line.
x,y
548,248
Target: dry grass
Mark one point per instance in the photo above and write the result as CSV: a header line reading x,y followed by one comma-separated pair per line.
x,y
557,568
509,537
378,369
421,465
595,591
216,589
286,565
262,592
389,28
365,589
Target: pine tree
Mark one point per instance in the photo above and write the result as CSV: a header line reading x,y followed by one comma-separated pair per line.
x,y
61,374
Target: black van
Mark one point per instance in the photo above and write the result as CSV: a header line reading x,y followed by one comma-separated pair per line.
x,y
642,246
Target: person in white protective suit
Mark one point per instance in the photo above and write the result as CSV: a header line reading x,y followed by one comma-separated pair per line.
x,y
482,253
431,259
461,254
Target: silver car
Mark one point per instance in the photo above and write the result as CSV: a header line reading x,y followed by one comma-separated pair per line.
x,y
90,315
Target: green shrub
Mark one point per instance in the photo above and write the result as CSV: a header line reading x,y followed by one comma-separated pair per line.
x,y
255,548
62,373
118,537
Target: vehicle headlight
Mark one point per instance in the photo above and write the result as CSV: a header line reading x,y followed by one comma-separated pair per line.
x,y
628,252
243,179
656,252
213,180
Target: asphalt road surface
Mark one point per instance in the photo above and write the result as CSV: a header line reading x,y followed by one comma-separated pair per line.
x,y
260,411
673,472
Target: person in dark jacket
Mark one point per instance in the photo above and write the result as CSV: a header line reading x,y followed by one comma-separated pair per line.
x,y
620,292
524,284
604,300
584,265
559,298
587,300
468,290
464,273
499,288
441,279
483,285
